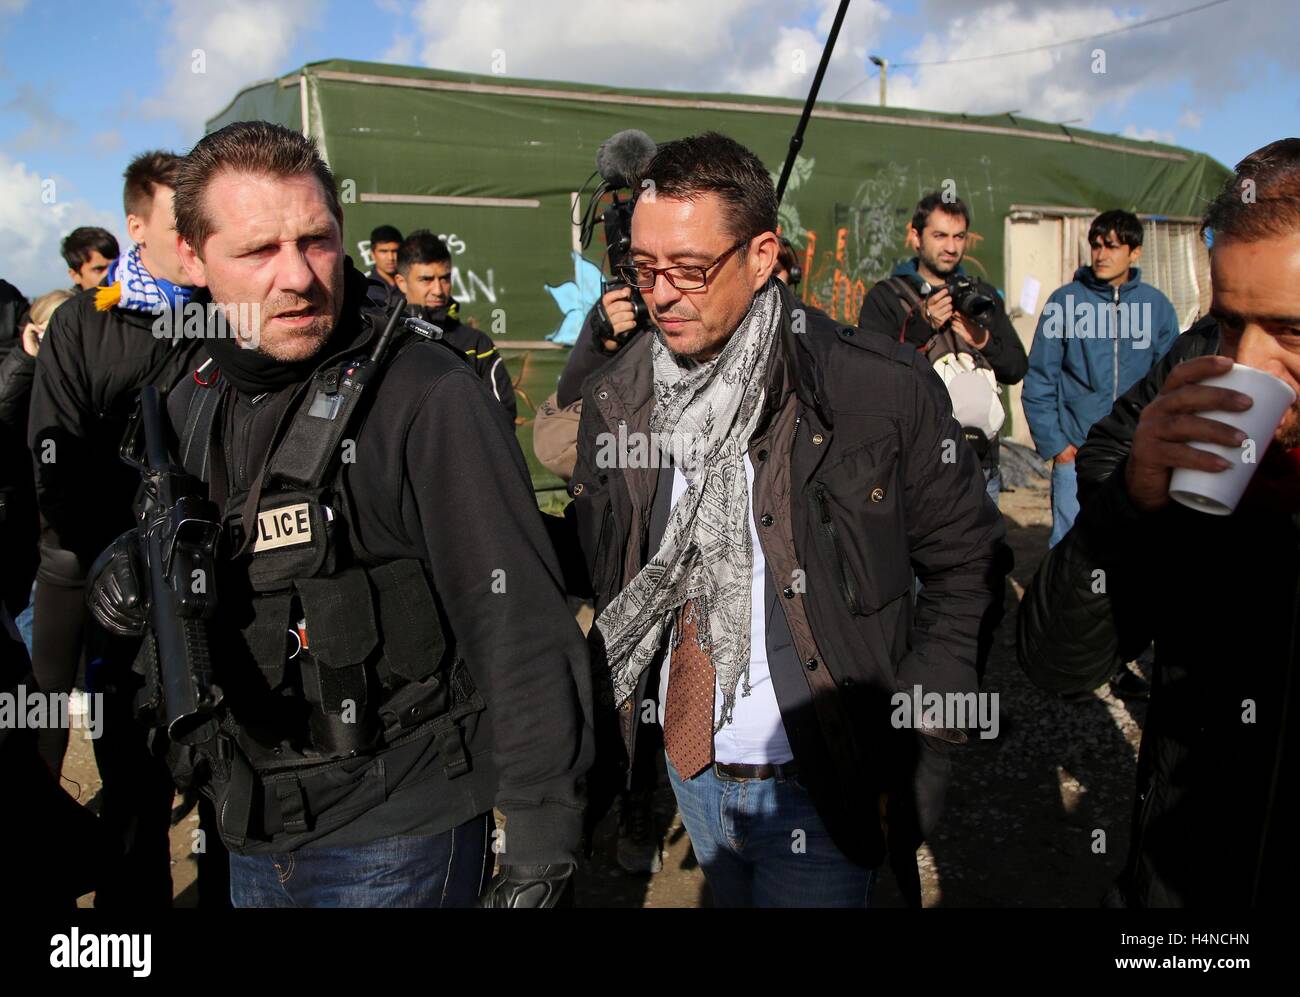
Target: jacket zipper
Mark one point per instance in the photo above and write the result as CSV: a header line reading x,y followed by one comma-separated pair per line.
x,y
1114,333
848,587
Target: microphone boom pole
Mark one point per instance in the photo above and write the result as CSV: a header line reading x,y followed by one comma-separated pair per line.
x,y
796,140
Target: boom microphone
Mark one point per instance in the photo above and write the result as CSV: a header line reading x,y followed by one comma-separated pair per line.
x,y
622,156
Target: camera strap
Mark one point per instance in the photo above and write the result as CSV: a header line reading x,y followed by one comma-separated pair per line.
x,y
911,299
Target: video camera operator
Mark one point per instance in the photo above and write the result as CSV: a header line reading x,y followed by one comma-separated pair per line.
x,y
916,303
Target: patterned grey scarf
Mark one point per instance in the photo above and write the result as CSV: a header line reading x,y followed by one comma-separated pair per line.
x,y
703,417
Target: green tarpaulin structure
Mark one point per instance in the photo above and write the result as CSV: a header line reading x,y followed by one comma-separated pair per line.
x,y
494,165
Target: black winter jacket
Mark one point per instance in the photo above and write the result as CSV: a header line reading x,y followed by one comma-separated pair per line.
x,y
19,522
1214,821
90,368
873,487
438,477
479,351
884,312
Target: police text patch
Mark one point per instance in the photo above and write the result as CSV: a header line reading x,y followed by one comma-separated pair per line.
x,y
283,527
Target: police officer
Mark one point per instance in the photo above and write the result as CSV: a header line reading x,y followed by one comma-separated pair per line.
x,y
391,671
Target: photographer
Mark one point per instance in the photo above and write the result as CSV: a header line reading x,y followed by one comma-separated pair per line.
x,y
916,303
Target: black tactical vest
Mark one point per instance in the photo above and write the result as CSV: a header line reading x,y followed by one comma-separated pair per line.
x,y
323,652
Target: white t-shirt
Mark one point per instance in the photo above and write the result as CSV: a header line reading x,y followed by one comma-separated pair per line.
x,y
756,735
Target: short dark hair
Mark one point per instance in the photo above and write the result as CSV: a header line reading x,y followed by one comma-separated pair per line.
x,y
145,174
385,233
81,242
688,168
785,257
1125,225
1271,175
421,246
256,147
936,201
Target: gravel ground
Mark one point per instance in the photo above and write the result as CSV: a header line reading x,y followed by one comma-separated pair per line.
x,y
1038,817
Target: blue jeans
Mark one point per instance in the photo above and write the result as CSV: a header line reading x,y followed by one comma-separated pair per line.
x,y
993,483
433,870
24,623
1065,500
761,844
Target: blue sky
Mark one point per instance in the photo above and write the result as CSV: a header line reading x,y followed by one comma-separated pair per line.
x,y
83,87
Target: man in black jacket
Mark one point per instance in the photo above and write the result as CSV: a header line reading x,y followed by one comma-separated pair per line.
x,y
751,519
424,281
16,492
1215,820
100,348
385,242
938,233
435,671
13,305
88,251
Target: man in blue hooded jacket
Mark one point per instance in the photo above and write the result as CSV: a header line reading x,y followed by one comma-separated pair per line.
x,y
1097,336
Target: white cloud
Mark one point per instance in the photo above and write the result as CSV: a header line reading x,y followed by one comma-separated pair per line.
x,y
211,50
1053,84
1059,84
1148,134
34,218
401,52
748,46
739,46
1189,119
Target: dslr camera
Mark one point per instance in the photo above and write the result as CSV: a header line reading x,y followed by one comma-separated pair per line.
x,y
967,298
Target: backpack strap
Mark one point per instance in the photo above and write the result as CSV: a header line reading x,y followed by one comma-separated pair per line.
x,y
199,417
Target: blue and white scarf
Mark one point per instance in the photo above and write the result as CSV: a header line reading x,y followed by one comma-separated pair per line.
x,y
129,285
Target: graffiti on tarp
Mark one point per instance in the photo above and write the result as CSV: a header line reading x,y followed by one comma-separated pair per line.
x,y
867,239
787,214
574,298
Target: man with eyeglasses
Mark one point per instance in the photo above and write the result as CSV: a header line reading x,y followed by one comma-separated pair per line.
x,y
755,484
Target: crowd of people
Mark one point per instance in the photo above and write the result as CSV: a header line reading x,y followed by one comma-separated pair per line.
x,y
787,527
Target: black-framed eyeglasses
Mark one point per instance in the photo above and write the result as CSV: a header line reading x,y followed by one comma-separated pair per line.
x,y
690,277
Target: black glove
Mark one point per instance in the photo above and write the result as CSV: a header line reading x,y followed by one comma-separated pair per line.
x,y
117,594
528,886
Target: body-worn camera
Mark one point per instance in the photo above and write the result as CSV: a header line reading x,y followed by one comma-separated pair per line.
x,y
967,298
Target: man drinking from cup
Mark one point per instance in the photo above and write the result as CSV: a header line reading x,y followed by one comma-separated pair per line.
x,y
1215,813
